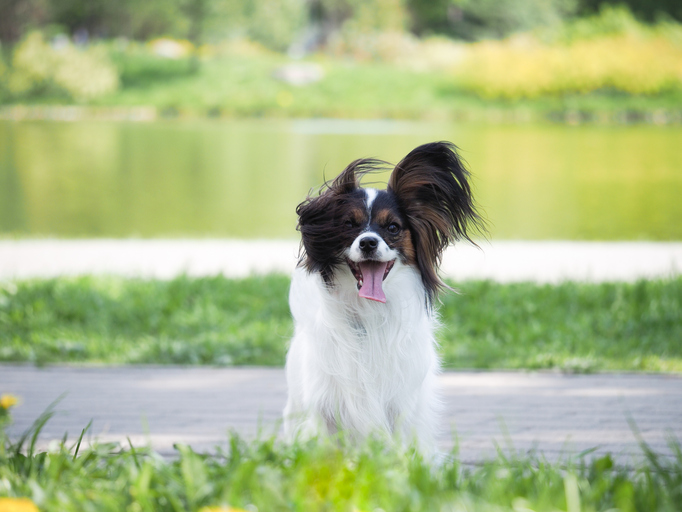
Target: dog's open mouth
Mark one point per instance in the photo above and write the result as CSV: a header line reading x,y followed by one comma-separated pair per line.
x,y
370,275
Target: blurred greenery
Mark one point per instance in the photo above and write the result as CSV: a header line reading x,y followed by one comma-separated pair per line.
x,y
480,19
275,23
138,66
78,51
38,69
116,52
572,326
612,51
321,475
278,21
648,10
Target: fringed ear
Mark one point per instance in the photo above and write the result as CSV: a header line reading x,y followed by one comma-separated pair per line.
x,y
432,188
313,212
348,180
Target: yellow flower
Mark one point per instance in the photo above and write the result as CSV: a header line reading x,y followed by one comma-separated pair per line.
x,y
7,401
17,504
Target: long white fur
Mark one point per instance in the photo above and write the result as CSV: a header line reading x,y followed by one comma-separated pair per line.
x,y
359,365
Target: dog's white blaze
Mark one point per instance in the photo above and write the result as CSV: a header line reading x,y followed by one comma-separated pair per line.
x,y
371,194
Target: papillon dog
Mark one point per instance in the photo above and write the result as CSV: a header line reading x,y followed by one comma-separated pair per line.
x,y
363,356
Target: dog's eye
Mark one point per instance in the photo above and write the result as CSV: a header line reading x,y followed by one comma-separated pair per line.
x,y
393,228
349,224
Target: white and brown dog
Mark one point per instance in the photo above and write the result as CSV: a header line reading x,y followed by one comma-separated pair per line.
x,y
363,356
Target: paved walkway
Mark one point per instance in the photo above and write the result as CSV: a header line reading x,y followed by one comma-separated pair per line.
x,y
556,413
502,261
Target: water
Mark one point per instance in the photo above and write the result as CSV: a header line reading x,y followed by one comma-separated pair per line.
x,y
244,178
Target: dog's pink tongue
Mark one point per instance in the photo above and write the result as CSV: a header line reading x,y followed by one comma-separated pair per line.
x,y
372,277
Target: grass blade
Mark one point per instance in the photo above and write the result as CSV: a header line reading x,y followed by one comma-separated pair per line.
x,y
80,439
132,450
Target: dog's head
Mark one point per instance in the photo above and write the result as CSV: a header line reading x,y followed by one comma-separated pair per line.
x,y
426,206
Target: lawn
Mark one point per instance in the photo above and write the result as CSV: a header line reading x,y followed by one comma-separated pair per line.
x,y
218,321
269,475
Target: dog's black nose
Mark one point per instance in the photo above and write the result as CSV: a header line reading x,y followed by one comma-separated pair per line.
x,y
368,243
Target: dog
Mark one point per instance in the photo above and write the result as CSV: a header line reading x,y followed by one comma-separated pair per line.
x,y
363,357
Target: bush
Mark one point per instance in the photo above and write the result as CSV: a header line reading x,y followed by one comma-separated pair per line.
x,y
80,73
611,51
140,64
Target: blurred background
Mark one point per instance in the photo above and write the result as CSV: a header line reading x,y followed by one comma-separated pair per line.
x,y
213,118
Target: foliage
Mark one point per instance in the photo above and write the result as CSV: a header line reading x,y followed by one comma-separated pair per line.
x,y
123,18
276,24
269,475
17,15
376,16
369,30
478,19
370,66
241,82
140,64
571,326
611,21
372,45
648,10
611,51
3,77
80,73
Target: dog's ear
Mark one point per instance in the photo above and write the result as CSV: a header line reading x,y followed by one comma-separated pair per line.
x,y
348,180
316,212
318,232
432,187
319,221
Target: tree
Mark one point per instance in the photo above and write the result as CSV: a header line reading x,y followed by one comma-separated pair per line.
x,y
476,19
16,15
647,10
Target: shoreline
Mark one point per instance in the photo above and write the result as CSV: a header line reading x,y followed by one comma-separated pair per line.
x,y
523,114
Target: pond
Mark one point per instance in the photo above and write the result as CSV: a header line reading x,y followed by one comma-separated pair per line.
x,y
244,178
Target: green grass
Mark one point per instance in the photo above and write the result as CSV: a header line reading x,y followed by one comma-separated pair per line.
x,y
112,320
571,326
268,475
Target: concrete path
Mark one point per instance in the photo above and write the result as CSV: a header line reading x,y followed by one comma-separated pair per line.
x,y
556,413
502,261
